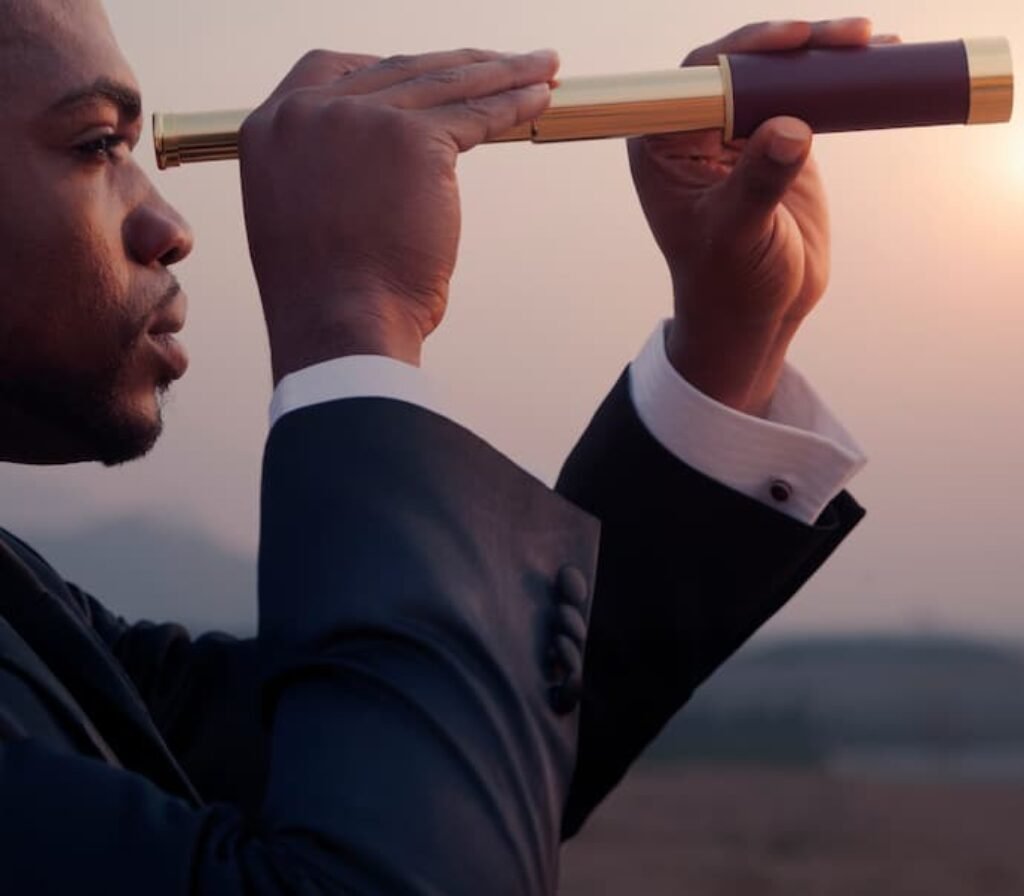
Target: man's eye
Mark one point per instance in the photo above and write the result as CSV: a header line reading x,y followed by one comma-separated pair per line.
x,y
102,148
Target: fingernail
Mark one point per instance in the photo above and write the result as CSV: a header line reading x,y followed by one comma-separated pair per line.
x,y
546,55
788,145
537,89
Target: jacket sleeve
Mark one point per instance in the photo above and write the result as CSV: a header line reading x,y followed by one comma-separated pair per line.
x,y
688,570
406,601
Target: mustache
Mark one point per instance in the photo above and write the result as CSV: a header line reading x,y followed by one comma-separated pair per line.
x,y
135,326
169,294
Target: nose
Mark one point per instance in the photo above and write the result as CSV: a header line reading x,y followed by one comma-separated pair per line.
x,y
155,233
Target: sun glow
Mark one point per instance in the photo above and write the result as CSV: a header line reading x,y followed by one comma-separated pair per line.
x,y
1011,141
1016,152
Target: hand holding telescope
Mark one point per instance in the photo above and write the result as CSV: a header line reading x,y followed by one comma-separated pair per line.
x,y
743,227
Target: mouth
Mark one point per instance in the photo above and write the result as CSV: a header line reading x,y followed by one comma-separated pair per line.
x,y
172,354
168,316
169,319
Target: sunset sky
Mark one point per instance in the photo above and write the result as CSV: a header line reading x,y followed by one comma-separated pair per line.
x,y
918,345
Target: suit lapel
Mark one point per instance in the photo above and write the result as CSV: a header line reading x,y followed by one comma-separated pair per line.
x,y
17,658
83,677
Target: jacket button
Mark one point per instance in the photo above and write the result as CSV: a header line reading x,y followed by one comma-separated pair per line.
x,y
565,656
565,697
572,586
569,621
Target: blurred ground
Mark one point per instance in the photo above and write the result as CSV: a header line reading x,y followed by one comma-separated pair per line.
x,y
746,831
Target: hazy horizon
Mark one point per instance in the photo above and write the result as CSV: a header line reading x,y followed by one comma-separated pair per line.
x,y
916,345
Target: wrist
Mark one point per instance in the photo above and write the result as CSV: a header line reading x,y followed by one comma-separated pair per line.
x,y
359,328
735,363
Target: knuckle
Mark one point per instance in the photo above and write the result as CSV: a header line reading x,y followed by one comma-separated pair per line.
x,y
399,63
316,58
475,54
329,65
446,76
747,31
478,107
290,111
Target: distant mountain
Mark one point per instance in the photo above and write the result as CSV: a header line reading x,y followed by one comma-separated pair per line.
x,y
815,698
147,568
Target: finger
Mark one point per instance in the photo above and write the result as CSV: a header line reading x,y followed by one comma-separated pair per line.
x,y
762,37
882,40
398,69
474,120
854,32
771,37
451,85
771,160
320,67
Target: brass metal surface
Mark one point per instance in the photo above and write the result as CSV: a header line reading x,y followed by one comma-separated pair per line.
x,y
581,108
680,99
196,136
990,63
730,98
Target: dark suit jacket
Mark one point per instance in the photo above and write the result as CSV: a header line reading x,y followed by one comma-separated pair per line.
x,y
414,676
688,571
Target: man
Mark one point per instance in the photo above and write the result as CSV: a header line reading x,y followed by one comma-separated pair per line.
x,y
406,719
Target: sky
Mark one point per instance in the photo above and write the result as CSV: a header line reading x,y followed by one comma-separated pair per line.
x,y
917,345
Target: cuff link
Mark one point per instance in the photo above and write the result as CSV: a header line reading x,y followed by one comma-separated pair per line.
x,y
780,490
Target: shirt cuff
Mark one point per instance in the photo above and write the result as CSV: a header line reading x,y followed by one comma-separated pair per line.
x,y
356,376
796,460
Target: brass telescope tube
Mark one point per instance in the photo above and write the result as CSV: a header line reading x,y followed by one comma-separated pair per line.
x,y
848,89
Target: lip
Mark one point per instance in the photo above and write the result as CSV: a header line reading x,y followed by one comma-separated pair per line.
x,y
172,353
169,317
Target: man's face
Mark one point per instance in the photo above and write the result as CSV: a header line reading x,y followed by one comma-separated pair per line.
x,y
87,303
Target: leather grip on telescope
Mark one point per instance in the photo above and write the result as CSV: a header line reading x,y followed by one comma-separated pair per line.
x,y
853,89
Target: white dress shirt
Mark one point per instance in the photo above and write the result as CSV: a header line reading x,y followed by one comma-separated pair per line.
x,y
797,459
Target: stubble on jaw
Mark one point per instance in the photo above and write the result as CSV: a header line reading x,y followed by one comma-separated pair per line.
x,y
87,421
87,410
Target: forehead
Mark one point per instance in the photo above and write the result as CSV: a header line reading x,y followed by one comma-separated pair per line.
x,y
48,47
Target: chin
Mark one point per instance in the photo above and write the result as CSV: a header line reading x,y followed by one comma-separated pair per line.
x,y
126,441
52,417
137,445
131,432
124,425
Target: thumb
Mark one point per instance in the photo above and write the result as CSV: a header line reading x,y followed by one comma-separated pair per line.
x,y
771,160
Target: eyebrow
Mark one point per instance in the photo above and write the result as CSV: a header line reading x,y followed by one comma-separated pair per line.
x,y
125,98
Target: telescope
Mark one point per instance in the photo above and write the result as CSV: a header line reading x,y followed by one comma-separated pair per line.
x,y
966,81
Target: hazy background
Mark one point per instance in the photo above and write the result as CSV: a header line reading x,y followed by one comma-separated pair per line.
x,y
917,344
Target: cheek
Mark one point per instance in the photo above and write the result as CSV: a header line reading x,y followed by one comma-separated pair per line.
x,y
63,283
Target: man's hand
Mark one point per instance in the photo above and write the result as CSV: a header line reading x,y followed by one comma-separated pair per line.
x,y
351,201
744,229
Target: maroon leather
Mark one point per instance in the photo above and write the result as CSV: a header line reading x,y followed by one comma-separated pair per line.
x,y
849,89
